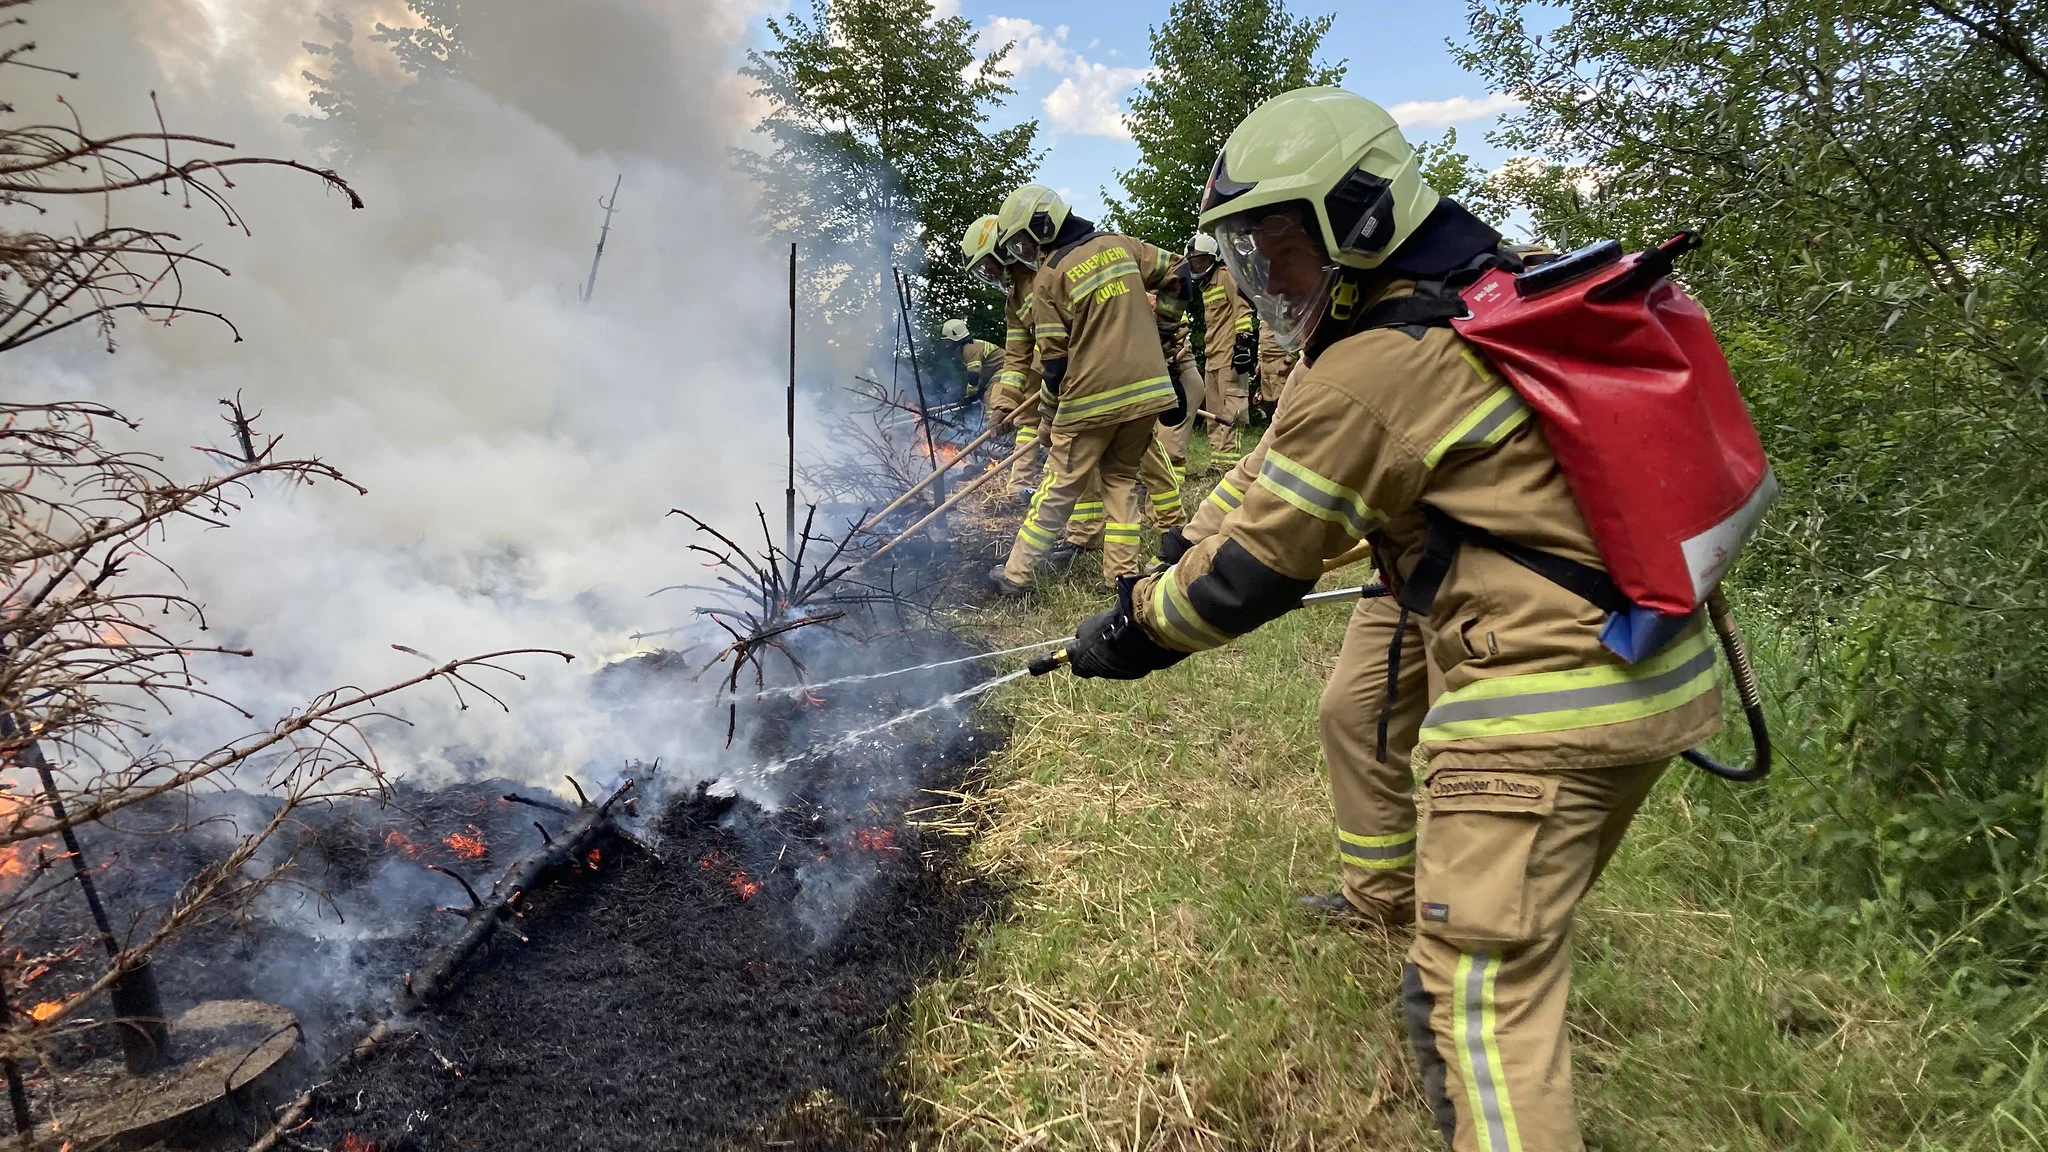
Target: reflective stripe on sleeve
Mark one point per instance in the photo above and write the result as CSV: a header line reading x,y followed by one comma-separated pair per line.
x,y
1575,698
1225,495
1377,852
1180,620
1244,322
1319,496
1500,413
1114,399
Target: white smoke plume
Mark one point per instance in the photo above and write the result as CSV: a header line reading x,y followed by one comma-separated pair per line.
x,y
520,448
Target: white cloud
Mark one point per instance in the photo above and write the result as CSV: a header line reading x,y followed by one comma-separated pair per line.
x,y
1036,47
942,9
1089,102
1456,110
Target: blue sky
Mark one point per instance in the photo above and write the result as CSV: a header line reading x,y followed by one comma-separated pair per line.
x,y
1077,62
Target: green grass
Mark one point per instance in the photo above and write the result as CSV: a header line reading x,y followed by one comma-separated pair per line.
x,y
1153,987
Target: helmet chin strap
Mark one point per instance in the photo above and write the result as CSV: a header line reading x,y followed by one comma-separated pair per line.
x,y
1348,294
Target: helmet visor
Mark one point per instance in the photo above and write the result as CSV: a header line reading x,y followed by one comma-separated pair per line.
x,y
1279,265
1022,249
990,270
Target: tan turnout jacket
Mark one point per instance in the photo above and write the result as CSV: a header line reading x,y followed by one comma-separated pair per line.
x,y
1089,307
1018,375
1224,315
1379,423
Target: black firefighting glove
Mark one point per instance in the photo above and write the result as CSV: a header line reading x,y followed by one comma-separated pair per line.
x,y
1244,355
1173,544
1173,417
1112,645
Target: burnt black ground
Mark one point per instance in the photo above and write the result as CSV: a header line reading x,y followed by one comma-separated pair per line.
x,y
660,1007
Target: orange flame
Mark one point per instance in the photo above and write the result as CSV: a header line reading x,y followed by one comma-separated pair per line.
x,y
595,858
354,1143
746,888
44,1011
468,843
877,840
403,843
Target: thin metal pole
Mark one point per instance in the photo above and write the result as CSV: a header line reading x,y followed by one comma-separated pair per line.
x,y
924,411
789,487
609,207
17,1093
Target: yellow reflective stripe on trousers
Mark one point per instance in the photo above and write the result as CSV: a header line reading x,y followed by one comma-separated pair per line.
x,y
1377,852
1179,618
1087,510
1026,436
1501,413
1113,399
1120,533
1577,697
1225,495
1317,495
1486,1090
1030,531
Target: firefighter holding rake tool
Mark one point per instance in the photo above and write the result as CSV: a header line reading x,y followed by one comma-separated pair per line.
x,y
1558,588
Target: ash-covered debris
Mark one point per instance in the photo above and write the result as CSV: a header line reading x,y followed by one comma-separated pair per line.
x,y
736,993
355,911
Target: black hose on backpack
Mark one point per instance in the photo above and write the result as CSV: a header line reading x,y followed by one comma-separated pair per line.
x,y
1746,690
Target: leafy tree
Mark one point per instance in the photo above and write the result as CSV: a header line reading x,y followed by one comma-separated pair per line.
x,y
1214,61
879,151
1871,176
349,99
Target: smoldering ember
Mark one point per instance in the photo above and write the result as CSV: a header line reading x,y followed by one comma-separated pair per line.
x,y
645,575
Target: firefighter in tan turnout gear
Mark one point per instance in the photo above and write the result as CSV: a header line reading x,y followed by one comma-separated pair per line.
x,y
1015,383
1540,744
976,359
1104,378
1227,341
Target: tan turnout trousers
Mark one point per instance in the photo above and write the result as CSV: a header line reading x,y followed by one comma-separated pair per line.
x,y
1229,401
1184,369
1374,801
1162,508
1112,456
1029,447
1505,857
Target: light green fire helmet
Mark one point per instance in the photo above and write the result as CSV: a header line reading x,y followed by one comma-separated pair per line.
x,y
984,258
1354,182
953,331
1027,222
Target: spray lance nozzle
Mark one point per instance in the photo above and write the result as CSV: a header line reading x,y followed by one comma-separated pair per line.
x,y
1049,663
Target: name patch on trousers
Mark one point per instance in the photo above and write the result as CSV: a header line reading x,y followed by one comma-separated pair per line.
x,y
1465,784
1440,913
